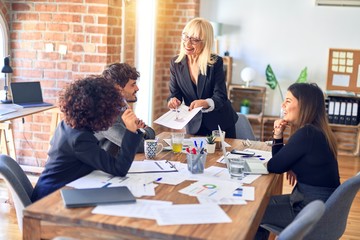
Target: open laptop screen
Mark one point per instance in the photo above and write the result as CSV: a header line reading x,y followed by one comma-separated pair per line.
x,y
27,93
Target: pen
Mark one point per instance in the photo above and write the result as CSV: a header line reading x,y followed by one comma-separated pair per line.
x,y
106,185
156,180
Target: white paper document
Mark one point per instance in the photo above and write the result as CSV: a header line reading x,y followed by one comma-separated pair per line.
x,y
211,188
222,201
152,166
177,118
191,214
97,179
141,209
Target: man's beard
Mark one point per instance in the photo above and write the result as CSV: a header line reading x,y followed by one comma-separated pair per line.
x,y
131,100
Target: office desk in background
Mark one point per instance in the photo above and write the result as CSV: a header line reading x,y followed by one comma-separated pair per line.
x,y
6,128
48,217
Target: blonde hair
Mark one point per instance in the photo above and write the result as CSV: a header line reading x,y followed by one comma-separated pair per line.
x,y
200,28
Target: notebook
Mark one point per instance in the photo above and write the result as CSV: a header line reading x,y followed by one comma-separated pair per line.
x,y
252,165
95,196
28,94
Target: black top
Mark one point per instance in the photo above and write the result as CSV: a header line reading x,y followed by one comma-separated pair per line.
x,y
75,153
210,86
308,155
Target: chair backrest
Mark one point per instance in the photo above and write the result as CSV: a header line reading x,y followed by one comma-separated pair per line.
x,y
304,221
19,185
332,225
243,128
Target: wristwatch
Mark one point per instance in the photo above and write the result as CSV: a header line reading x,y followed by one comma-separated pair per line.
x,y
141,131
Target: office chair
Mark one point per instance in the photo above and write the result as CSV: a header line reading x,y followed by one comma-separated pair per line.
x,y
304,221
18,184
332,224
243,128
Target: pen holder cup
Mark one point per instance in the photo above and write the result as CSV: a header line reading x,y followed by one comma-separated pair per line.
x,y
196,162
152,148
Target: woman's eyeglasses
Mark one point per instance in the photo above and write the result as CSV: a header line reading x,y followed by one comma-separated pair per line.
x,y
193,41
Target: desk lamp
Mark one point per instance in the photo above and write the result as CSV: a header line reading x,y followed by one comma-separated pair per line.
x,y
6,69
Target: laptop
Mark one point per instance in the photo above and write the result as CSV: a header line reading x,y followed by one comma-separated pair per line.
x,y
252,165
28,94
96,196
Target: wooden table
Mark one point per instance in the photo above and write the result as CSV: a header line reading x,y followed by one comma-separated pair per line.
x,y
48,217
7,143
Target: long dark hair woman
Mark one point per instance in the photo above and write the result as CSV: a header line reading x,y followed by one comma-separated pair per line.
x,y
308,158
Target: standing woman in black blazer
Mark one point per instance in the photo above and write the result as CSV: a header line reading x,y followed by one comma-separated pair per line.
x,y
197,78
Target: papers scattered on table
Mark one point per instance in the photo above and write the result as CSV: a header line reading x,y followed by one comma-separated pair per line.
x,y
177,118
191,214
97,179
141,209
152,166
222,201
213,189
165,213
221,173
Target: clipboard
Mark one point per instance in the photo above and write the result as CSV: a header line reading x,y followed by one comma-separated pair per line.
x,y
152,167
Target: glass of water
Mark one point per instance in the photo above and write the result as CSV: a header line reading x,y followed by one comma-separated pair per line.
x,y
236,167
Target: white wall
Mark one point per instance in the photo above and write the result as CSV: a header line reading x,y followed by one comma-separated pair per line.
x,y
289,35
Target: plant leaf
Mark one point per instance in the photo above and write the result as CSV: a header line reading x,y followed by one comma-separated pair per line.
x,y
303,76
270,77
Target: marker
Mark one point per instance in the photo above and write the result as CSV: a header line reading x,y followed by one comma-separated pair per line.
x,y
195,143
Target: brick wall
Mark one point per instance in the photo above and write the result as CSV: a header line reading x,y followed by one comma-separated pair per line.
x,y
91,30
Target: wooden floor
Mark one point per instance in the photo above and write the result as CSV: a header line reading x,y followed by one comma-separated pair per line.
x,y
349,166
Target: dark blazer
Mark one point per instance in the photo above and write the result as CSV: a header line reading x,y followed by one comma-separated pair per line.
x,y
111,139
75,153
210,86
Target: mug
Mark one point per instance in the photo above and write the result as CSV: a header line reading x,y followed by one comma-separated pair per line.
x,y
152,148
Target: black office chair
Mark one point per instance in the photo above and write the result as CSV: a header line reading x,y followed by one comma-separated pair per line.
x,y
304,221
332,224
19,185
243,128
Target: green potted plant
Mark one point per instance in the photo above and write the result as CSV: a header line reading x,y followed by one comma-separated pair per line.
x,y
245,106
272,82
210,146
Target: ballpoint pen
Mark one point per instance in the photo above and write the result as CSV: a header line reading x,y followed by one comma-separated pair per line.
x,y
156,180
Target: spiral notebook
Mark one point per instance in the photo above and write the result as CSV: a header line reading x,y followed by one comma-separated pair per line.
x,y
96,196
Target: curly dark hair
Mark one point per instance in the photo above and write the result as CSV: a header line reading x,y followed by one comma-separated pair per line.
x,y
92,103
120,73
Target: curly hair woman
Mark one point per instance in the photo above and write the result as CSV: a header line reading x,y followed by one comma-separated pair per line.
x,y
89,105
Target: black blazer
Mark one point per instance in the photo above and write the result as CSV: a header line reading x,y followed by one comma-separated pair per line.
x,y
210,86
75,153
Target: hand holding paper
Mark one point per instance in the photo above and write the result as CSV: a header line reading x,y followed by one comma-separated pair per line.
x,y
177,118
